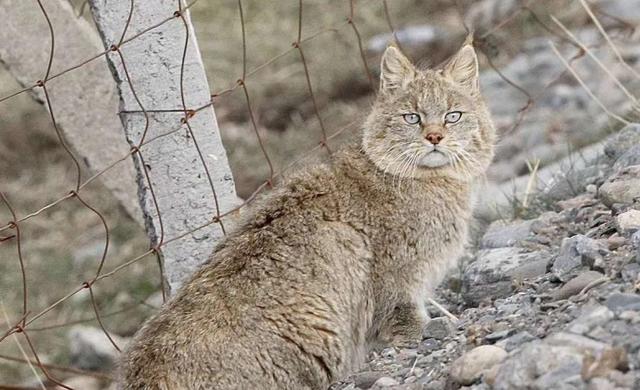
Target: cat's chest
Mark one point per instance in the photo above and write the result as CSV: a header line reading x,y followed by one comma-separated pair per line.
x,y
437,231
428,225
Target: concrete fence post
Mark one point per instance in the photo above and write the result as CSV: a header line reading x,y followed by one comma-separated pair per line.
x,y
184,165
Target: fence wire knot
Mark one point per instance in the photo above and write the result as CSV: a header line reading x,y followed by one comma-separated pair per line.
x,y
88,284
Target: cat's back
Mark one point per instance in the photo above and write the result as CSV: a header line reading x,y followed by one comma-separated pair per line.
x,y
277,295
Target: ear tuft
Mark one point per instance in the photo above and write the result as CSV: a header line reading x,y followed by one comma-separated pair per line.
x,y
396,71
462,68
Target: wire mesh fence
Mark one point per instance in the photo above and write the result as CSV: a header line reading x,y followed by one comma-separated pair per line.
x,y
28,319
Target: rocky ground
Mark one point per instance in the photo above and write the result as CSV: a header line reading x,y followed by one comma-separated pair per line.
x,y
550,302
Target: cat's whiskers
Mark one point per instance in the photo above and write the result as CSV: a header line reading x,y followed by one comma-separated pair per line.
x,y
406,166
388,155
401,164
404,169
417,156
397,172
468,162
462,161
386,159
395,165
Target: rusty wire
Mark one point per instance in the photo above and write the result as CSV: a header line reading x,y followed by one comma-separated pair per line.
x,y
11,230
351,20
188,113
55,367
387,17
242,82
298,45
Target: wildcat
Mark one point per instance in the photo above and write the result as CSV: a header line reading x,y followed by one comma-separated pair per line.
x,y
339,256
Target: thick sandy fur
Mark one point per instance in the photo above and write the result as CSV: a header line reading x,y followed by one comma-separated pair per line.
x,y
338,257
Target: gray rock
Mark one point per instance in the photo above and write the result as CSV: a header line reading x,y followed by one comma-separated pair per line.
x,y
389,352
575,285
625,381
635,239
564,378
601,384
580,201
621,187
593,252
366,379
499,235
615,241
619,302
434,385
513,342
629,158
573,181
624,10
386,381
577,251
626,138
568,258
628,222
577,342
553,363
499,335
438,328
472,364
590,318
630,272
428,345
91,350
535,364
494,271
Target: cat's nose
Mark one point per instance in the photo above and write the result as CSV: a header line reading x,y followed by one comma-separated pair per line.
x,y
434,137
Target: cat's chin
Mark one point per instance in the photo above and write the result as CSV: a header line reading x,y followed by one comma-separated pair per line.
x,y
435,159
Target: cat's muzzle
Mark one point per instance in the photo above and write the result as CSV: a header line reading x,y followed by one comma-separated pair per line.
x,y
434,159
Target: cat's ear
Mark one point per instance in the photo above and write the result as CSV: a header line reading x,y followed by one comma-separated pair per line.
x,y
396,71
462,68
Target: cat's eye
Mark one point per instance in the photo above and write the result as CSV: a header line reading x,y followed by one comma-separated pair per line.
x,y
452,117
411,119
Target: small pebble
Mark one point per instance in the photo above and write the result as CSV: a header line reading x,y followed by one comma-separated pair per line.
x,y
472,364
438,328
615,241
495,336
386,381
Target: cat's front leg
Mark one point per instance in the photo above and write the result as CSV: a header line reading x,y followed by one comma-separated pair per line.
x,y
406,323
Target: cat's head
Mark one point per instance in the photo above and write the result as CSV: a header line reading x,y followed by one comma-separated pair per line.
x,y
431,122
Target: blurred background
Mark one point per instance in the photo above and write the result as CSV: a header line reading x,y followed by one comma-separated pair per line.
x,y
542,113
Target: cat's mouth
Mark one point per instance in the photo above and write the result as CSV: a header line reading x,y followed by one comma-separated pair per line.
x,y
434,159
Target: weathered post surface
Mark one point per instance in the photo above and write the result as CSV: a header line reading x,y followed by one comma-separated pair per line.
x,y
153,65
85,100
